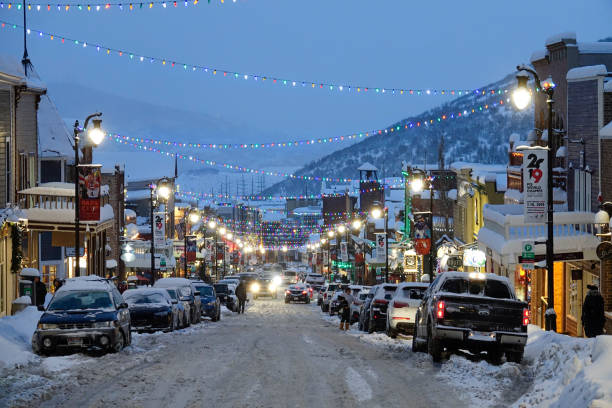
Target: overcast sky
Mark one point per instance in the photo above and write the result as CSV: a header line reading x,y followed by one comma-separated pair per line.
x,y
392,43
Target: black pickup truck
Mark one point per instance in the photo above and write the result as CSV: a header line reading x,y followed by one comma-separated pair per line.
x,y
471,311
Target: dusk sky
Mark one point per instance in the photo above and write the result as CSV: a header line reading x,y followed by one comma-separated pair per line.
x,y
389,44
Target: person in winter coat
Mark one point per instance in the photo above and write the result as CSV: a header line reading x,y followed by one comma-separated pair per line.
x,y
241,294
41,291
56,284
593,318
344,310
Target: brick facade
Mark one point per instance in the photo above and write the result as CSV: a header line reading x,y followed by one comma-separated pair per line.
x,y
116,184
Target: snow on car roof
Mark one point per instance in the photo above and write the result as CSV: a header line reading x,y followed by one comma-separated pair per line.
x,y
474,275
171,282
91,282
413,285
146,291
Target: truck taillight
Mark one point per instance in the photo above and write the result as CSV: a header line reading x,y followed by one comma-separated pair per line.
x,y
325,296
399,304
304,292
440,310
525,317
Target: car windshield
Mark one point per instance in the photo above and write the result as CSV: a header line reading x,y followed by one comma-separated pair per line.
x,y
81,300
144,298
413,293
221,288
205,290
363,296
172,293
487,287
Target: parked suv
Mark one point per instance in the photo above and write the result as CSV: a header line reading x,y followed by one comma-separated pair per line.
x,y
403,306
85,313
211,305
315,280
328,291
364,310
188,293
378,307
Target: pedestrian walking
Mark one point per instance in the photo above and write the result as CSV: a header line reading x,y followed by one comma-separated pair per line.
x,y
345,309
593,318
241,294
41,291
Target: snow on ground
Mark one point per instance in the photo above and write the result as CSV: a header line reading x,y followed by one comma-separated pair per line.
x,y
16,337
358,385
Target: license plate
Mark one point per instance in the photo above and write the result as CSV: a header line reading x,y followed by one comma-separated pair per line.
x,y
296,297
482,336
75,341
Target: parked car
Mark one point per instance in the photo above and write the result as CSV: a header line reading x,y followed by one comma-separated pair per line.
x,y
183,307
402,308
471,311
316,280
357,302
264,287
289,277
378,307
231,301
328,292
364,310
297,293
85,313
187,292
211,305
226,293
151,310
334,303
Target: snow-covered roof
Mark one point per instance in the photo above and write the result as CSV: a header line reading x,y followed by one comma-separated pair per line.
x,y
557,38
587,72
562,151
452,194
606,131
64,215
51,189
600,47
53,135
367,167
311,210
608,86
11,69
133,195
171,282
538,55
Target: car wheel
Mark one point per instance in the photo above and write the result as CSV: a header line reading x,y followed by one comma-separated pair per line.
x,y
215,317
514,356
390,332
307,301
494,356
434,348
416,345
218,314
119,343
360,325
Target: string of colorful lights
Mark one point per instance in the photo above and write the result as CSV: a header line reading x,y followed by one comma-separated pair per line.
x,y
106,6
226,73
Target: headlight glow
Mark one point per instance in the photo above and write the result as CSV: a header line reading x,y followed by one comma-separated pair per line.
x,y
99,325
47,326
272,287
255,287
276,280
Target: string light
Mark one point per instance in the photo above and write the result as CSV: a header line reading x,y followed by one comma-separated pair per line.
x,y
288,83
100,6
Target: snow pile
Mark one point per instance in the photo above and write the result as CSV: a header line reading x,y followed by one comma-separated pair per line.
x,y
568,372
16,337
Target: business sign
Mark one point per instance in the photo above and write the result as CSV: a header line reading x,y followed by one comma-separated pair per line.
x,y
528,250
410,263
191,248
474,258
90,180
344,251
535,179
209,244
381,247
159,229
70,252
604,250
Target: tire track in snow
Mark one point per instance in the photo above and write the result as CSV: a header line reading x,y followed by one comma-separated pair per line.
x,y
358,385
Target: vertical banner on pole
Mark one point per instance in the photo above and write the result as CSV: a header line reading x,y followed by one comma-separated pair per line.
x,y
209,242
381,247
422,233
191,248
159,229
535,179
325,257
90,180
344,252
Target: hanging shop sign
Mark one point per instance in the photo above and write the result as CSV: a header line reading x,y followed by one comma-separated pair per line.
x,y
410,263
454,262
535,179
208,243
381,247
90,180
474,258
159,228
191,248
604,250
344,252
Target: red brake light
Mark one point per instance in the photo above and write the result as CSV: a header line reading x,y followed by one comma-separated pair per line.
x,y
381,301
287,291
525,317
440,310
399,304
325,296
304,292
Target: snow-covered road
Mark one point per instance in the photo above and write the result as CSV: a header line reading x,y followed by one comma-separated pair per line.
x,y
275,355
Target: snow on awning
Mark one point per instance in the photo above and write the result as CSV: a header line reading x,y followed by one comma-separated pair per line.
x,y
111,263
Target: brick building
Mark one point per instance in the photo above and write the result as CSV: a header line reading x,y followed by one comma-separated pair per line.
x,y
115,181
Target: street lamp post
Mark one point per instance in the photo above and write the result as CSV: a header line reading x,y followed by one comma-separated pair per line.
x,y
221,231
521,98
162,187
330,235
213,225
95,135
192,216
379,211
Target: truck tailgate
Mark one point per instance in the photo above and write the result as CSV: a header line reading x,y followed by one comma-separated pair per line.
x,y
482,313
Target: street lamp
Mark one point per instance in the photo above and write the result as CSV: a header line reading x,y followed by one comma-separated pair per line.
x,y
96,135
377,212
356,225
417,184
163,190
193,216
521,98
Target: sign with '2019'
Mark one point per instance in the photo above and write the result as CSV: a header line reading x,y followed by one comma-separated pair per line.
x,y
535,179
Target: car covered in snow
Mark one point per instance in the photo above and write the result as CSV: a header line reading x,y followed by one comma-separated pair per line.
x,y
184,310
364,309
297,293
152,309
402,307
85,313
188,293
471,311
316,280
358,300
211,305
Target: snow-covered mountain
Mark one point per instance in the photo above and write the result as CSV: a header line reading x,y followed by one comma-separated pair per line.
x,y
480,137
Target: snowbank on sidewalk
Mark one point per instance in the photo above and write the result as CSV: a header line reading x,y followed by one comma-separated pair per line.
x,y
568,372
16,337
